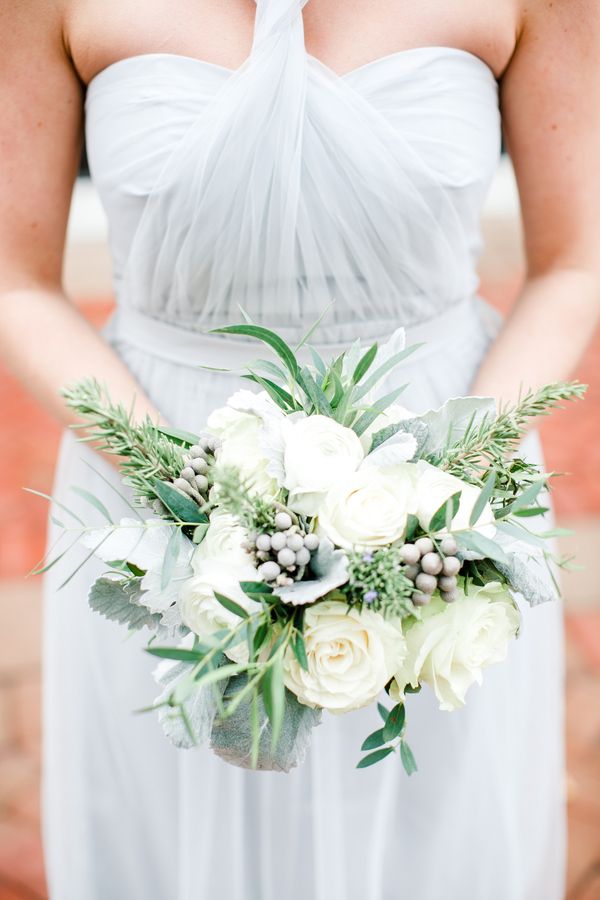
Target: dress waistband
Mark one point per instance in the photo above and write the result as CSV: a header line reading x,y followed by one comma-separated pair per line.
x,y
194,348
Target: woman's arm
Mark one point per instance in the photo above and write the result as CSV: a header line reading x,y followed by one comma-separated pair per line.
x,y
43,337
550,101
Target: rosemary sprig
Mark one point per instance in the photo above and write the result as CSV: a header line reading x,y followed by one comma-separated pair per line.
x,y
489,442
146,453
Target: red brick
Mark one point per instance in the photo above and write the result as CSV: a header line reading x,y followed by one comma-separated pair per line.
x,y
584,629
17,773
583,714
25,805
27,714
21,859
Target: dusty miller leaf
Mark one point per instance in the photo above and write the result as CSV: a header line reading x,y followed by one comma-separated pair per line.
x,y
330,569
118,599
446,425
200,707
527,572
231,739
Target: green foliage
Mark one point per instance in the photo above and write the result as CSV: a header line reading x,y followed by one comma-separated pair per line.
x,y
336,389
234,497
487,443
381,571
388,739
148,453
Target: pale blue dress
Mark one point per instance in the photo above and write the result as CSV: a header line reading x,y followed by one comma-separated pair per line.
x,y
276,188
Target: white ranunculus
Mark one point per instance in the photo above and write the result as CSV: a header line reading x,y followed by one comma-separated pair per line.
x,y
317,450
351,657
240,434
222,543
453,642
369,508
144,544
391,416
435,486
201,611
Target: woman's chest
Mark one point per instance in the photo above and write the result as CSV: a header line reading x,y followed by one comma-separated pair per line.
x,y
342,35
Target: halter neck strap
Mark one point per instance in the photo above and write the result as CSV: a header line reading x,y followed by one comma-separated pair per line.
x,y
275,18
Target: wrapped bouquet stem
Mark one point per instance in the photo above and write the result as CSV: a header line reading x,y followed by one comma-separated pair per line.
x,y
319,548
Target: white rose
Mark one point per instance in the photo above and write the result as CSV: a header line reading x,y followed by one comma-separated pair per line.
x,y
391,416
435,486
351,657
241,449
317,450
222,543
369,508
201,611
454,642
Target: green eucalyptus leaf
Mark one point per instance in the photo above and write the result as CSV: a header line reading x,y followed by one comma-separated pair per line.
x,y
483,546
364,364
231,605
383,370
408,760
368,417
484,497
300,650
527,498
442,517
531,511
256,587
374,740
268,337
383,711
374,757
185,438
93,501
412,524
279,395
318,362
314,393
181,654
394,722
183,508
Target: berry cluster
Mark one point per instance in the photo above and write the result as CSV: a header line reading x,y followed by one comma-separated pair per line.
x,y
193,480
431,570
282,556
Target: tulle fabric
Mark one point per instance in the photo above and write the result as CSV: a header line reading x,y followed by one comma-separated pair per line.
x,y
278,187
288,181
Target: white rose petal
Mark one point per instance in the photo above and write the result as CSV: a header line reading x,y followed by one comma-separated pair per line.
x,y
369,508
222,543
452,643
201,611
351,656
317,450
241,449
435,486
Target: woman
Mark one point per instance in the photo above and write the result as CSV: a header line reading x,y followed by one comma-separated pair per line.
x,y
273,157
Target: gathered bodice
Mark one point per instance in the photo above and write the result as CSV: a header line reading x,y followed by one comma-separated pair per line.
x,y
280,186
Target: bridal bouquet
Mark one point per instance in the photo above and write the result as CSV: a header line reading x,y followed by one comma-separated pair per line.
x,y
316,546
